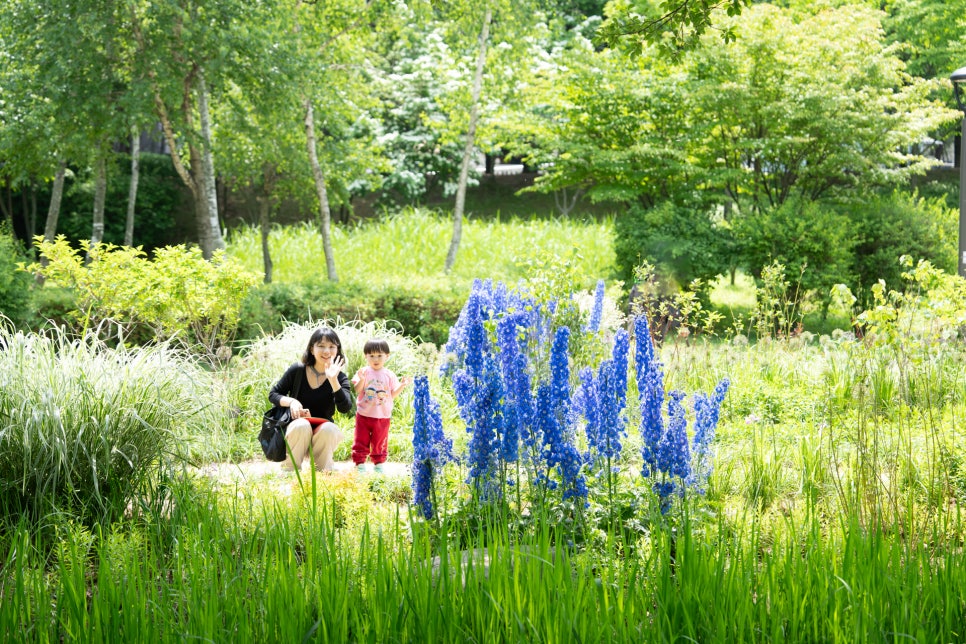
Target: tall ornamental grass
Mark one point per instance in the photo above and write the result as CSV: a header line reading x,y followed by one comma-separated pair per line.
x,y
410,247
85,429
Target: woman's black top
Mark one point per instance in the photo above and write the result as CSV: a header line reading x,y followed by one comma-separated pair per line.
x,y
321,402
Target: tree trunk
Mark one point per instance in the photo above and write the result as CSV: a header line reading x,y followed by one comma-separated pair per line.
x,y
132,194
208,192
100,193
202,221
324,213
32,224
53,211
56,194
269,179
264,209
470,143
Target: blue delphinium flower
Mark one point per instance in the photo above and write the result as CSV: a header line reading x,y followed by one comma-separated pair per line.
x,y
558,450
479,392
650,385
622,343
479,399
457,345
706,412
587,399
612,419
560,372
431,448
598,309
518,410
673,455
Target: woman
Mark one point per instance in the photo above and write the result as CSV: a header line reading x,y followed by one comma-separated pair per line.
x,y
313,389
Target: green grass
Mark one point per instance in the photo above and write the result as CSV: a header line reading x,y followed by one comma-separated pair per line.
x,y
410,248
260,570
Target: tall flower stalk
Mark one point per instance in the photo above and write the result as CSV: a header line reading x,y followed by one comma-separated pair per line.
x,y
431,448
650,387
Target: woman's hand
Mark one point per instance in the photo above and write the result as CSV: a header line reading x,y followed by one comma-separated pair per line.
x,y
337,365
295,408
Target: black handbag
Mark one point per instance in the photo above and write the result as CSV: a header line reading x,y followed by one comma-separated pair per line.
x,y
272,435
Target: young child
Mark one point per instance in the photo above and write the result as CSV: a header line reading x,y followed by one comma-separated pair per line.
x,y
376,387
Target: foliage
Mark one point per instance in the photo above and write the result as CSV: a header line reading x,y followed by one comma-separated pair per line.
x,y
807,103
418,313
889,227
778,303
175,293
683,242
16,295
666,308
932,307
606,125
420,70
930,33
87,430
813,239
671,25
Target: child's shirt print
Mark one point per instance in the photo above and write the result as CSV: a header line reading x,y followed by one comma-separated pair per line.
x,y
375,399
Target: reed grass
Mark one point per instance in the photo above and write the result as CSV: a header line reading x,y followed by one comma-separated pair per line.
x,y
86,427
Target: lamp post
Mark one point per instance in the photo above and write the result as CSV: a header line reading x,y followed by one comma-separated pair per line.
x,y
958,78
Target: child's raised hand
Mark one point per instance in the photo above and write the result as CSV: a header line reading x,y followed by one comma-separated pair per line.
x,y
405,381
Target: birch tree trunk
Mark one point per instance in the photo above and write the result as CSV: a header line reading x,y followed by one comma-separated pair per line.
x,y
325,213
53,211
208,192
56,195
132,194
470,144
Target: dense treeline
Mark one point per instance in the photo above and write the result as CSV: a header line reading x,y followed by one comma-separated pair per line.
x,y
720,148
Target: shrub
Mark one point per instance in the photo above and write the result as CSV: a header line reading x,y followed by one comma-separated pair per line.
x,y
889,227
53,306
15,285
802,236
418,313
177,293
683,242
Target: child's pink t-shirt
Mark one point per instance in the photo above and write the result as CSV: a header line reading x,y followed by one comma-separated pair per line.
x,y
375,401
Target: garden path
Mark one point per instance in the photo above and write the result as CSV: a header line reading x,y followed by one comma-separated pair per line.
x,y
250,471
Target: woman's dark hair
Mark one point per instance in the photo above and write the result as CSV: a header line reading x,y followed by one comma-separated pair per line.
x,y
376,345
323,333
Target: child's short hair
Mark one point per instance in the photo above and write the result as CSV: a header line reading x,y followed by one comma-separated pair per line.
x,y
376,345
